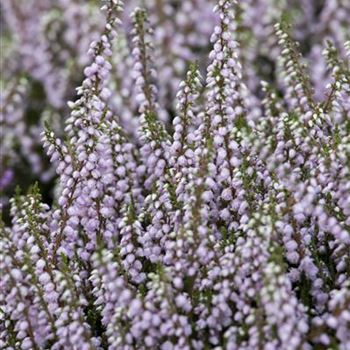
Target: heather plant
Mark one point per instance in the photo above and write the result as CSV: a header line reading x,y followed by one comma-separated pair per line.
x,y
196,205
44,48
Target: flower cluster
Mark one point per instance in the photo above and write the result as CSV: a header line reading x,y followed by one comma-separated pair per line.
x,y
196,206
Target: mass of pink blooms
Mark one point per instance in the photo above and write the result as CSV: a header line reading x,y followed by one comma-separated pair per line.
x,y
175,175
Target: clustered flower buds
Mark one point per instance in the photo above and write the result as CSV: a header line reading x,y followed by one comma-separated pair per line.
x,y
200,202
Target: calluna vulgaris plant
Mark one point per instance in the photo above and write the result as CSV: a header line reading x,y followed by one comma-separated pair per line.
x,y
200,203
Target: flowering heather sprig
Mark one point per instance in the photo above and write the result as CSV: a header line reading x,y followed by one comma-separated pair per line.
x,y
227,229
298,86
114,297
155,139
146,78
225,110
182,156
94,137
339,90
153,133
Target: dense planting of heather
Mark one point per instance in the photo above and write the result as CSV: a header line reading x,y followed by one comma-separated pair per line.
x,y
199,176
